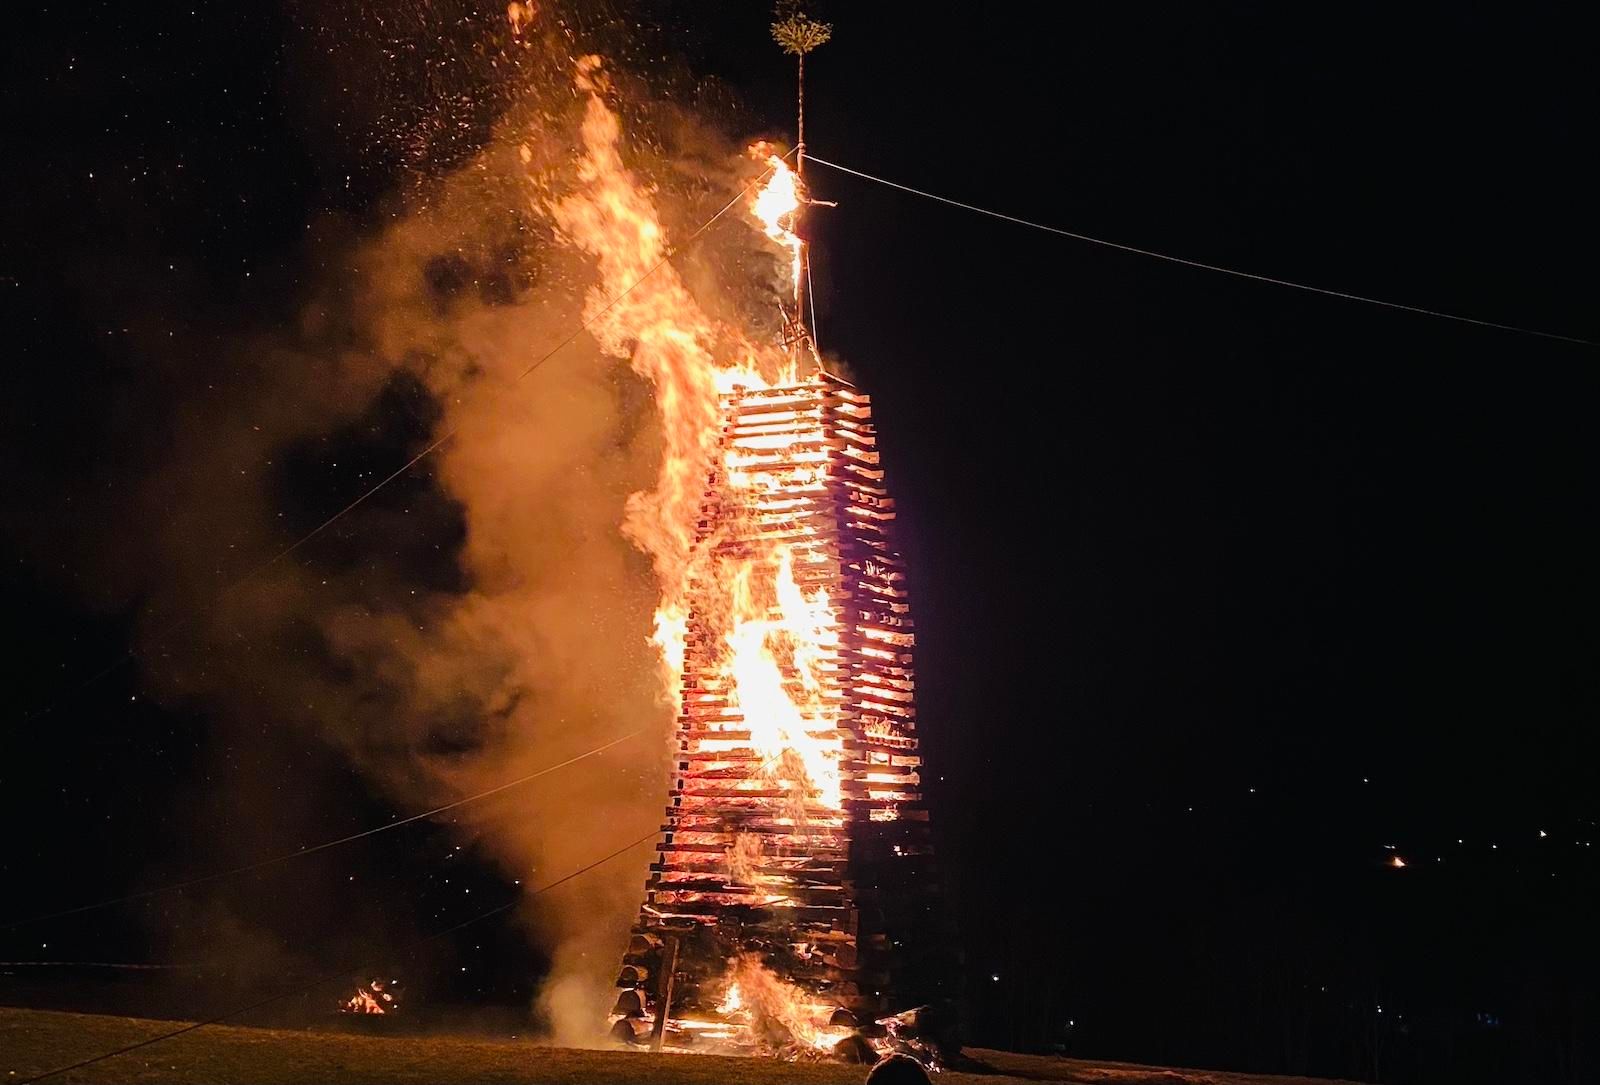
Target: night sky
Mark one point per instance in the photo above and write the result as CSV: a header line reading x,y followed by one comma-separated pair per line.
x,y
1228,595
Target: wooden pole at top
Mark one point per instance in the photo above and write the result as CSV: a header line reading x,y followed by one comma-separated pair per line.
x,y
798,33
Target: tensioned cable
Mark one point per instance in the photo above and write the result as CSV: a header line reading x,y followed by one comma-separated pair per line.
x,y
1197,263
432,447
508,785
342,973
811,296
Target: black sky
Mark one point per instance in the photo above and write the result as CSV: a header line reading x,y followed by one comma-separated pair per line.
x,y
1227,594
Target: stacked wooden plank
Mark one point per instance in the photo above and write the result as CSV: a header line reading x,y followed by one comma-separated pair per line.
x,y
828,885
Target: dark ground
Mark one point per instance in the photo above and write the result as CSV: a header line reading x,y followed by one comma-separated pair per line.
x,y
35,1041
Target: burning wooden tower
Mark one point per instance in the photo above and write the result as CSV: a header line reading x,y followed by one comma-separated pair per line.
x,y
794,895
794,903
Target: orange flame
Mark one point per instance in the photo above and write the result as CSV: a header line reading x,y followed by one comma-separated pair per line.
x,y
369,999
642,309
776,206
775,620
754,991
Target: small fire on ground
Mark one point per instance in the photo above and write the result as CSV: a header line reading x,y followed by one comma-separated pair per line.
x,y
373,997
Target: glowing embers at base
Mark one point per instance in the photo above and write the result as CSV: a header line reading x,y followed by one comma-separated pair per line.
x,y
781,1015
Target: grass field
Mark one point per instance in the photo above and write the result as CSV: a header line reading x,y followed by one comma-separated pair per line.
x,y
35,1041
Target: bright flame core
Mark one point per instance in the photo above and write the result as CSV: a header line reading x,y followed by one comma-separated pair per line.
x,y
776,207
774,620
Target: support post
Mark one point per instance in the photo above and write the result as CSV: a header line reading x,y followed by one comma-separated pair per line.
x,y
800,174
658,1032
